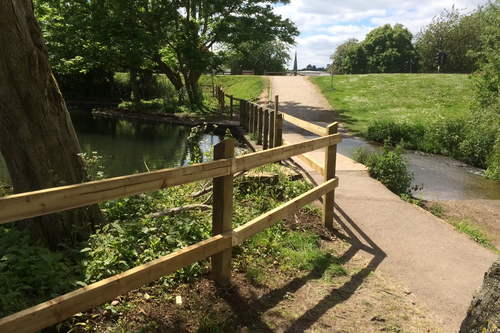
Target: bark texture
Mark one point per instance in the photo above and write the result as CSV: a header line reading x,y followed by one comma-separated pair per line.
x,y
37,138
484,312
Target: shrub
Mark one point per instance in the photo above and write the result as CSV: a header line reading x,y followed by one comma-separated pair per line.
x,y
388,166
29,274
493,162
396,132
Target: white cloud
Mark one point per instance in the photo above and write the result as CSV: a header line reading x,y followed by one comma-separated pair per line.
x,y
325,23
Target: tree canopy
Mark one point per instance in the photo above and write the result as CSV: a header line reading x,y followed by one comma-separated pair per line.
x,y
456,34
269,56
174,37
384,50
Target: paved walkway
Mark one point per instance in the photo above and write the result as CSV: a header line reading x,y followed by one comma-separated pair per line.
x,y
439,266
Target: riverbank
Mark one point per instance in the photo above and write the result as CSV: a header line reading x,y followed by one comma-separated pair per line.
x,y
166,119
426,112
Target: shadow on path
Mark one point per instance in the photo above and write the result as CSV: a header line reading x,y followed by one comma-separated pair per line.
x,y
358,240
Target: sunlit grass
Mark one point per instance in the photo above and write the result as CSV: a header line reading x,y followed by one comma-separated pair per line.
x,y
423,98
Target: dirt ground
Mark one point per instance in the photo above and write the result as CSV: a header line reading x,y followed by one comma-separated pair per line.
x,y
484,214
361,301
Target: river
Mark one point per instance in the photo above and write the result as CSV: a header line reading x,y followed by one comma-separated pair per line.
x,y
128,146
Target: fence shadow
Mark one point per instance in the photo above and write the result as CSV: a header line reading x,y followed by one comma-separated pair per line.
x,y
358,240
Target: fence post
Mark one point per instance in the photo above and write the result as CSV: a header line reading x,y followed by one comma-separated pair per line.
x,y
242,114
255,117
261,125
250,119
247,116
231,105
272,128
222,215
266,130
222,101
330,161
279,130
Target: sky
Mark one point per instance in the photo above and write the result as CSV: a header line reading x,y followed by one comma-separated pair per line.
x,y
324,24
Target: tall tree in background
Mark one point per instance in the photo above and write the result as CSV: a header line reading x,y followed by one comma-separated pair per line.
x,y
456,34
340,56
384,50
271,56
388,48
37,139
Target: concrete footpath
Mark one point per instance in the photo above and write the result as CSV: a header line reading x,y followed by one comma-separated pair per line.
x,y
436,264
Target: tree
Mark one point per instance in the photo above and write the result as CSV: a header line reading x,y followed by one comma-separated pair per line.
x,y
37,139
177,36
388,48
338,58
486,83
82,63
456,34
355,59
384,50
270,56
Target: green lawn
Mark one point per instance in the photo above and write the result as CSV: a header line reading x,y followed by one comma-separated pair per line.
x,y
244,87
422,98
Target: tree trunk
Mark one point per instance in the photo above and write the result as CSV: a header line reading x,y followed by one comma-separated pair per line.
x,y
112,84
148,74
37,138
174,77
134,85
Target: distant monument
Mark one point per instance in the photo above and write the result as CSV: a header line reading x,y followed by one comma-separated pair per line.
x,y
295,65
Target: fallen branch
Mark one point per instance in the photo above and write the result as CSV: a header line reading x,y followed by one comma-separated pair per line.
x,y
176,210
205,190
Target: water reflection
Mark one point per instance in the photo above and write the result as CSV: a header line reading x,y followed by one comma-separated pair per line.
x,y
128,146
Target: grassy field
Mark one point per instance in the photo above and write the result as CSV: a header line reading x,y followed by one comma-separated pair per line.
x,y
422,98
244,87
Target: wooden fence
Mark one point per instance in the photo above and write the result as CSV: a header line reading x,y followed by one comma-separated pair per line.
x,y
222,169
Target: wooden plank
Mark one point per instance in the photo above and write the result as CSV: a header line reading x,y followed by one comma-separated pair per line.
x,y
279,130
265,221
309,161
265,139
261,125
330,161
60,308
304,124
26,205
272,128
222,214
249,161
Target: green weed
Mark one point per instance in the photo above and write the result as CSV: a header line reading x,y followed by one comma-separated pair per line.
x,y
437,209
473,232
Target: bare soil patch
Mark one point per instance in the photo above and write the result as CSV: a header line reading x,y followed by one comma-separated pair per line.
x,y
483,214
361,301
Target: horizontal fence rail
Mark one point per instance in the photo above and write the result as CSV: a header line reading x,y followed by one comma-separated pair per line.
x,y
221,170
31,204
